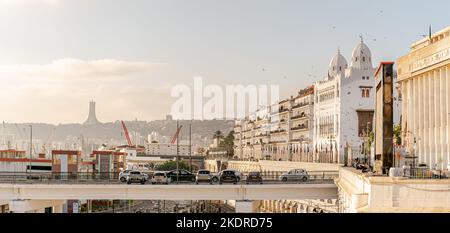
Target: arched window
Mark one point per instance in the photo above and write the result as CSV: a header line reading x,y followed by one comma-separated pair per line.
x,y
367,93
340,68
364,59
356,59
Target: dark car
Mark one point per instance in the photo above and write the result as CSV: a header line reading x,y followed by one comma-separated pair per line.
x,y
254,177
183,175
228,176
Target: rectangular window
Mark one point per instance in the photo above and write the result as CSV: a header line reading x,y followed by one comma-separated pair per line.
x,y
365,121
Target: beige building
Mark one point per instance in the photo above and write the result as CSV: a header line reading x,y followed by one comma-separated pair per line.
x,y
424,76
282,131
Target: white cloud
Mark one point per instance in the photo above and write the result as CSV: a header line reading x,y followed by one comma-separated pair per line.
x,y
69,68
24,2
59,91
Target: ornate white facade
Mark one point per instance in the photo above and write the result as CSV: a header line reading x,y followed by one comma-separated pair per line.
x,y
343,108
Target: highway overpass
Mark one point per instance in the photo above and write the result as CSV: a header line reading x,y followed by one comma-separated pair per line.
x,y
280,191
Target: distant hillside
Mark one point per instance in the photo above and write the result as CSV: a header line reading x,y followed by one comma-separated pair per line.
x,y
113,130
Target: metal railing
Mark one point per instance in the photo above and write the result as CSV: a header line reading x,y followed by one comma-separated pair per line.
x,y
68,177
113,178
312,175
426,173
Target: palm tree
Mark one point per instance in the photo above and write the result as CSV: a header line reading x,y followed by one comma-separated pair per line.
x,y
218,134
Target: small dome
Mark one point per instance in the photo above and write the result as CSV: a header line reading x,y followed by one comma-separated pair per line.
x,y
361,56
337,65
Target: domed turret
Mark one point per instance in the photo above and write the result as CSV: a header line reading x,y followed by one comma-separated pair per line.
x,y
361,57
337,65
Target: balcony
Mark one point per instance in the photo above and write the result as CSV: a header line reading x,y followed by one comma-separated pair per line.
x,y
303,115
299,105
278,131
300,127
281,110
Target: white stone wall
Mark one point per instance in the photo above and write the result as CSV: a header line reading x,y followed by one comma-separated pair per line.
x,y
362,193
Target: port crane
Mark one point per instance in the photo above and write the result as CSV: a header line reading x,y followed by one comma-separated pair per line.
x,y
175,136
127,135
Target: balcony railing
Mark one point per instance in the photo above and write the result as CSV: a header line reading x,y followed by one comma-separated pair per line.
x,y
299,116
300,105
278,131
299,127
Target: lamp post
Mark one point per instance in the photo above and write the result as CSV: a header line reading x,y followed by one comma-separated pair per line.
x,y
31,147
190,147
177,154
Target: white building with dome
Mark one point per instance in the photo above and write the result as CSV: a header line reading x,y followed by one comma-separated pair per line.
x,y
344,107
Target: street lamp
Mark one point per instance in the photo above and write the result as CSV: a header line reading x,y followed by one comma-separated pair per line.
x,y
31,147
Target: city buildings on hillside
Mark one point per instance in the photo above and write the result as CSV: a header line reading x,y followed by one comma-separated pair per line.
x,y
157,149
424,77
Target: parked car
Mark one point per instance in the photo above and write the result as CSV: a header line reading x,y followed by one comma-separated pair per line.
x,y
254,177
215,177
160,178
183,175
228,176
203,176
123,175
294,174
137,177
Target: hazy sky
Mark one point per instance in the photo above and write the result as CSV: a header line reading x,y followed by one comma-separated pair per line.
x,y
56,55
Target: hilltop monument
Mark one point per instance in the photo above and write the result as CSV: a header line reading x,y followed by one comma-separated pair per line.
x,y
92,118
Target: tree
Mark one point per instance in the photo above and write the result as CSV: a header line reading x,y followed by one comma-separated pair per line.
x,y
371,139
201,150
397,134
218,135
171,165
228,144
150,165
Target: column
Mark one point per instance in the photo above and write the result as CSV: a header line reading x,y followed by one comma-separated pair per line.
x,y
447,113
443,121
432,123
416,108
410,111
438,125
423,121
247,207
404,112
57,209
432,113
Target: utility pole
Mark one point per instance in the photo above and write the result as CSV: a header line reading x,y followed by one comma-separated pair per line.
x,y
177,154
190,147
31,146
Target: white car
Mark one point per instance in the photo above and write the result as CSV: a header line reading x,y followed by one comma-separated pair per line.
x,y
294,174
160,178
123,175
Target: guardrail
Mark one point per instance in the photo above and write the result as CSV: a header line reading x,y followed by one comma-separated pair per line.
x,y
425,173
313,175
110,177
21,177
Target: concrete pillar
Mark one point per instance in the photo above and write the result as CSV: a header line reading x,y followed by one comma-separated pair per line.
x,y
57,209
247,207
24,206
